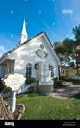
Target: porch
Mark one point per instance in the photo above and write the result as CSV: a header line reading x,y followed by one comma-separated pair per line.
x,y
6,66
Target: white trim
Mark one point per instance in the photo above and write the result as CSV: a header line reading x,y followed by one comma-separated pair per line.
x,y
35,38
4,58
51,48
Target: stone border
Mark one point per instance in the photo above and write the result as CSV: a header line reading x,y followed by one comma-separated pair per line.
x,y
46,88
19,112
22,111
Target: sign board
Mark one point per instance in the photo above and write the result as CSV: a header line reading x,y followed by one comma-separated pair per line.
x,y
14,81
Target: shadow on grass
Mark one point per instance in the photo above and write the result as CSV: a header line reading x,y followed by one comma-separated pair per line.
x,y
30,94
36,94
77,96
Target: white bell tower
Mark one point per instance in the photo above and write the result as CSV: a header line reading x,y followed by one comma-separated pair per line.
x,y
24,34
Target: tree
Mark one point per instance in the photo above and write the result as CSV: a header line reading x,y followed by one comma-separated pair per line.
x,y
69,50
60,50
76,32
71,64
69,46
64,50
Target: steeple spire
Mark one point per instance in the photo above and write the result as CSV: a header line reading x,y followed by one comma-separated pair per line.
x,y
24,34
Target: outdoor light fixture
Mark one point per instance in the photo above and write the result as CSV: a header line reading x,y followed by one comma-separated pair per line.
x,y
36,66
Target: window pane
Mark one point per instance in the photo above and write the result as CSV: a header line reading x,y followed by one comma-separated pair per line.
x,y
51,68
28,70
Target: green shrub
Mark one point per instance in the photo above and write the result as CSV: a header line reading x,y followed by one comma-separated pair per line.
x,y
57,83
60,83
30,80
74,81
1,88
33,80
1,85
31,89
6,90
62,77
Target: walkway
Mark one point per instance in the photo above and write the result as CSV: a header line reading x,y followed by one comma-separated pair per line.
x,y
64,93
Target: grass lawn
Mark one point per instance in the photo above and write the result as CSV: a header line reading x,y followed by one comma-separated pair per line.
x,y
48,108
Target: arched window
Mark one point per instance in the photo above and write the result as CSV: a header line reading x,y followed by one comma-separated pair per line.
x,y
28,70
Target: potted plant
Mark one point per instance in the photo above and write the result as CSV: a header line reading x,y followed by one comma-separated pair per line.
x,y
32,80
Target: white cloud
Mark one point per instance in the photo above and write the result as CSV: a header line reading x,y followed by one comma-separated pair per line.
x,y
70,35
7,43
0,54
12,35
2,50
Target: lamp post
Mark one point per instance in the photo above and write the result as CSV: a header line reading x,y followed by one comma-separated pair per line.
x,y
12,101
59,68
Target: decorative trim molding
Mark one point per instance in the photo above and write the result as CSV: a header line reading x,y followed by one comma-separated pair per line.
x,y
44,52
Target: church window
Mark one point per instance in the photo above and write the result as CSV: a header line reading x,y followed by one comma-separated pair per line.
x,y
51,68
28,70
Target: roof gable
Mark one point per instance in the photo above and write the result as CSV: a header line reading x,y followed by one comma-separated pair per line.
x,y
39,34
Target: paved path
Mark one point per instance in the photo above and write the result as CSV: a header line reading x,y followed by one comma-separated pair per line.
x,y
64,93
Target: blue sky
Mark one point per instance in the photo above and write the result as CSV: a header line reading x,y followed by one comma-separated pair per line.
x,y
40,15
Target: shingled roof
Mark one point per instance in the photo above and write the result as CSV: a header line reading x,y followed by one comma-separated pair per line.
x,y
27,42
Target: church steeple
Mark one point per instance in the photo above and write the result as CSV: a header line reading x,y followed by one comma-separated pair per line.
x,y
24,34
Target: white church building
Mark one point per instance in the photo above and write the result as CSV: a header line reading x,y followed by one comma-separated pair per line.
x,y
33,57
